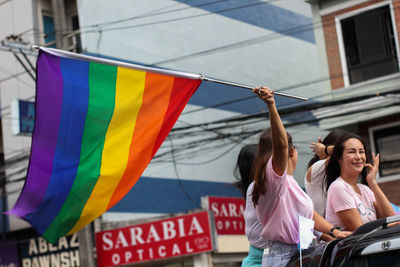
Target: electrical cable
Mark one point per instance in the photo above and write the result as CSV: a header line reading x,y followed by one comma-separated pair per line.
x,y
179,180
225,136
307,121
263,38
315,81
246,134
179,19
153,13
289,109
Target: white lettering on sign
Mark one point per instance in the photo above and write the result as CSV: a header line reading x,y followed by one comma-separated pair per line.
x,y
64,253
136,235
188,248
234,225
166,238
107,242
115,259
227,210
169,231
140,253
228,214
153,235
121,240
40,246
161,251
176,250
63,259
128,256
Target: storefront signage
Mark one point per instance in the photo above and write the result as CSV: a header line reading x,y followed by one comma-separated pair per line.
x,y
228,214
172,237
37,252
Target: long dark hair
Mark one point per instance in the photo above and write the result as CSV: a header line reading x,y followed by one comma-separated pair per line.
x,y
263,155
244,167
329,140
332,170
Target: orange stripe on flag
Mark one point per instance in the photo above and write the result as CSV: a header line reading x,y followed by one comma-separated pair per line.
x,y
156,97
182,90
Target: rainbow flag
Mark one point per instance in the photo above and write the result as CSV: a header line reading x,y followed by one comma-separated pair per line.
x,y
98,124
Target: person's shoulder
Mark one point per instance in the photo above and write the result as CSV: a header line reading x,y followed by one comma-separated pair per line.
x,y
320,163
338,184
249,190
317,172
271,172
317,165
250,187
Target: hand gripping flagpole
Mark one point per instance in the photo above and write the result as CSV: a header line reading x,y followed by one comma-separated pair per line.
x,y
250,87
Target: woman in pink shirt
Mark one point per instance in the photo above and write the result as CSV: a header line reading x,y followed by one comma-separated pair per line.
x,y
277,196
349,203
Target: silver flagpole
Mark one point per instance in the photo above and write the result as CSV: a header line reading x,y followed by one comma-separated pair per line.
x,y
250,87
58,52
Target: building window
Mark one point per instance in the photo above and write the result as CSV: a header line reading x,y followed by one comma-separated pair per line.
x,y
369,44
49,31
385,140
76,37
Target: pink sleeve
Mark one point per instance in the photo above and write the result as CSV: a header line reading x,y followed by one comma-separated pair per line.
x,y
273,180
340,197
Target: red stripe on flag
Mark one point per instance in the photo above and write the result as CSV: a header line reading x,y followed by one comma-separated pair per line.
x,y
182,90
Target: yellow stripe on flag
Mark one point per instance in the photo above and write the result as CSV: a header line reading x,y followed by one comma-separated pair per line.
x,y
150,119
128,101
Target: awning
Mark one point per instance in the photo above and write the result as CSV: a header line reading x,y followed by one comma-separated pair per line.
x,y
358,111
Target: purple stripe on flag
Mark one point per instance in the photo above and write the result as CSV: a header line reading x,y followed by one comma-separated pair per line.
x,y
49,94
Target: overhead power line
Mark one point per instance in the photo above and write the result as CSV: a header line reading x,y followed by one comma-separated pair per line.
x,y
255,40
157,12
235,133
303,107
180,18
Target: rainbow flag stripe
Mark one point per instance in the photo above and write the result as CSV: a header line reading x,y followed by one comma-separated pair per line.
x,y
97,127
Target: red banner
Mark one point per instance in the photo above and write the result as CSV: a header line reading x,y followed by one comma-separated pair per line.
x,y
172,237
228,213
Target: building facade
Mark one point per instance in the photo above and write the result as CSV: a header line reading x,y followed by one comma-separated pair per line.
x,y
359,45
258,42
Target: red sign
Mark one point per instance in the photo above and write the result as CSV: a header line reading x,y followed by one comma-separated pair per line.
x,y
228,213
172,237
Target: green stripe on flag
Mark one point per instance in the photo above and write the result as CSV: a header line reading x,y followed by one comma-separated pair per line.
x,y
102,81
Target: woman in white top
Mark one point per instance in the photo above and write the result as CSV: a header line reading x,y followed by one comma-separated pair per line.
x,y
314,178
253,228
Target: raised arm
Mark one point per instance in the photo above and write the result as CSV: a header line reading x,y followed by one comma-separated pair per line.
x,y
278,133
381,204
321,150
